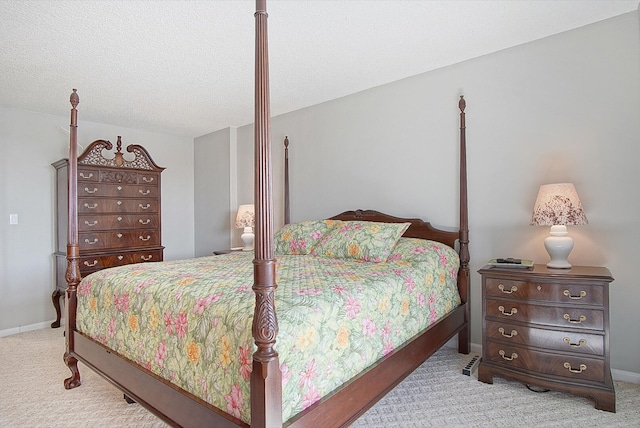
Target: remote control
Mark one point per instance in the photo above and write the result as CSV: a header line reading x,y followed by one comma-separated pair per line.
x,y
510,260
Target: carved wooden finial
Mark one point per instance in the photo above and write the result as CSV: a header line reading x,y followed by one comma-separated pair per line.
x,y
462,103
286,142
74,99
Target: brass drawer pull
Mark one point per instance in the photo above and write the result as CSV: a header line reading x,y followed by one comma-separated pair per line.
x,y
95,241
147,221
86,176
86,263
582,368
95,189
146,259
512,357
95,222
513,311
574,345
142,238
144,192
513,289
568,294
578,321
147,180
145,207
91,207
513,332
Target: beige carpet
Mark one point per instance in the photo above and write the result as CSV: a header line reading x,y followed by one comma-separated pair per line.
x,y
437,394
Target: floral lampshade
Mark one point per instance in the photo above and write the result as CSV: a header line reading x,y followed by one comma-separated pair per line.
x,y
245,217
558,204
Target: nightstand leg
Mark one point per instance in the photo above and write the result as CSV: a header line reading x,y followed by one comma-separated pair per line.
x,y
484,374
55,298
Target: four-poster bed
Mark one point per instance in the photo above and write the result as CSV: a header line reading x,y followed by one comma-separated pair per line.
x,y
188,402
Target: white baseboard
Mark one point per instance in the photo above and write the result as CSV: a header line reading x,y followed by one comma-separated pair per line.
x,y
25,328
625,376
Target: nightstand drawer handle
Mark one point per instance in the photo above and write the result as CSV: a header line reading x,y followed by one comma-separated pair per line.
x,y
575,345
512,357
582,368
146,259
513,288
86,263
578,321
513,311
568,294
513,332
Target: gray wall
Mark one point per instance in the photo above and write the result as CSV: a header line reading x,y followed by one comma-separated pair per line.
x,y
563,108
214,193
29,143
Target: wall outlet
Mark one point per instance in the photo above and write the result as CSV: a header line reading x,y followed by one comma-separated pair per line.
x,y
13,218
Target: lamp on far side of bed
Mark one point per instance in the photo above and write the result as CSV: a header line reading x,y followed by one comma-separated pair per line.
x,y
245,220
558,206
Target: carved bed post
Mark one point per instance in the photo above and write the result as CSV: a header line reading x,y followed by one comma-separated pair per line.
x,y
287,209
72,274
464,337
266,383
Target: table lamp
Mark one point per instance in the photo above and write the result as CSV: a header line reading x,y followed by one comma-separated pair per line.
x,y
558,206
245,220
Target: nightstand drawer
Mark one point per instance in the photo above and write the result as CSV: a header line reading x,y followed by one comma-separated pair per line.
x,y
567,366
567,341
560,293
558,316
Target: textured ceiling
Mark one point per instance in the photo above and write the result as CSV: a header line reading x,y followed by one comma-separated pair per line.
x,y
186,67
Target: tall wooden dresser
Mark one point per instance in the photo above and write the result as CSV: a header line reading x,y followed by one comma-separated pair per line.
x,y
549,328
118,211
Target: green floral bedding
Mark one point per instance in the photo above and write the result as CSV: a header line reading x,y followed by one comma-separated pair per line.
x,y
189,321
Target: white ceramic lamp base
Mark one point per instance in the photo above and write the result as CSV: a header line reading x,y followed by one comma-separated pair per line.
x,y
559,246
247,237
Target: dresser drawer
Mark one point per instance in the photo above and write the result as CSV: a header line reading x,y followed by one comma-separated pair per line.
x,y
88,174
575,366
117,190
573,293
118,239
124,176
105,206
558,316
110,222
89,264
567,341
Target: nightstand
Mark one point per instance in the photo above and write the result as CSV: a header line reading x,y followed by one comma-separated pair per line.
x,y
548,328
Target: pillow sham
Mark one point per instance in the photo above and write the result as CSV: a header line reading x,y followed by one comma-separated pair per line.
x,y
421,250
361,240
300,238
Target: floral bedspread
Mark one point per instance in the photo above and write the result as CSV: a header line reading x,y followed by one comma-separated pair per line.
x,y
189,321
